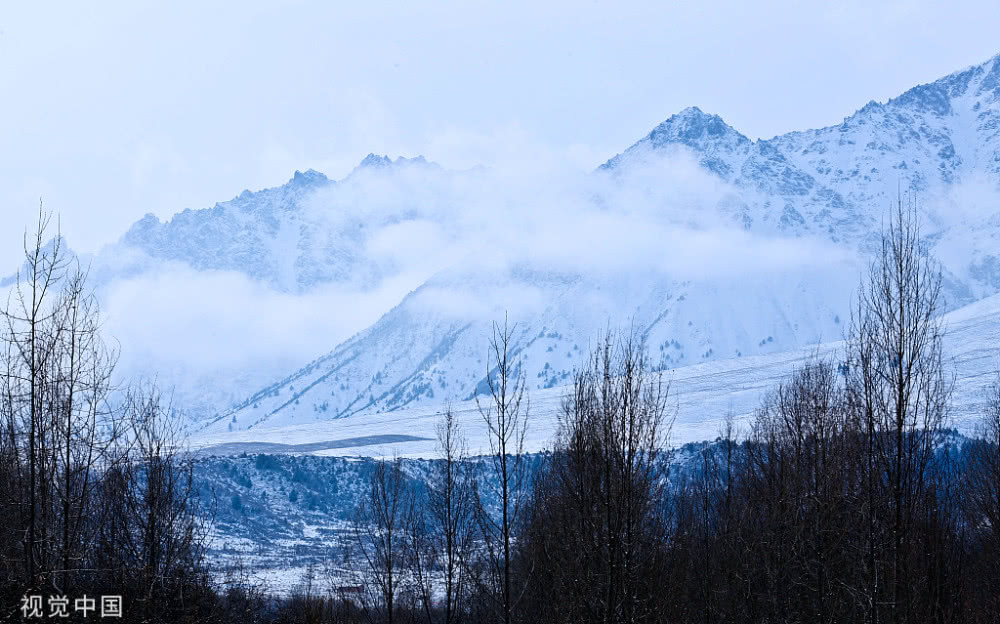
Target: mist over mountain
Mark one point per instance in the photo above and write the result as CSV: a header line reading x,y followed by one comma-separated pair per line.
x,y
272,236
322,298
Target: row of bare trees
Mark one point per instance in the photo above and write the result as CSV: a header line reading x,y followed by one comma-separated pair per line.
x,y
846,498
95,494
448,553
798,522
843,504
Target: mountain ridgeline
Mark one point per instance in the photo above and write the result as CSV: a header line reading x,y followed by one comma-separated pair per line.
x,y
938,144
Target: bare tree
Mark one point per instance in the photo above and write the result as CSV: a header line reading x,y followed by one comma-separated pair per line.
x,y
380,531
150,526
54,409
420,560
506,419
83,425
599,524
900,394
27,316
441,538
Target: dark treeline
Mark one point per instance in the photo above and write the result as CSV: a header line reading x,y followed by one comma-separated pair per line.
x,y
845,498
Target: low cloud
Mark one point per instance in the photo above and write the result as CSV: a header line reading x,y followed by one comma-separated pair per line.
x,y
469,244
215,321
661,214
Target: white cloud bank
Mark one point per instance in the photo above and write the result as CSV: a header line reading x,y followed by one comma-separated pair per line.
x,y
477,226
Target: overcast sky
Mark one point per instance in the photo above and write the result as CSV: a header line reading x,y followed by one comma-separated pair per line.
x,y
112,110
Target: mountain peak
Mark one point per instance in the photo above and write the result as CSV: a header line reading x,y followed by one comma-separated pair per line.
x,y
381,163
705,133
871,107
374,161
309,176
693,127
142,229
692,112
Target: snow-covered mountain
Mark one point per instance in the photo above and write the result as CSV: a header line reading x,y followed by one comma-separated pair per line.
x,y
274,235
706,243
829,188
836,181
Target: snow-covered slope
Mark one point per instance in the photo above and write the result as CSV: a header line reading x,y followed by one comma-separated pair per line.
x,y
420,352
702,395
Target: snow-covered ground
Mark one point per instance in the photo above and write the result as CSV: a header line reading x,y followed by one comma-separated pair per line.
x,y
701,394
